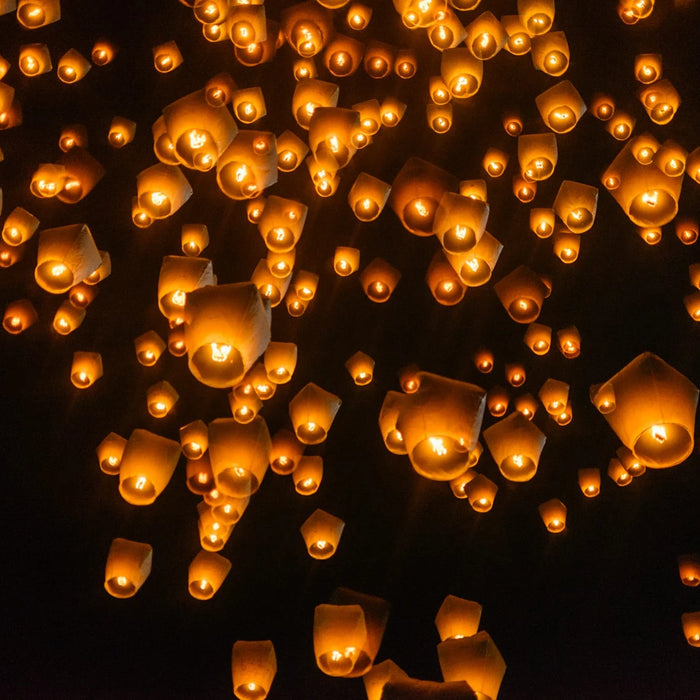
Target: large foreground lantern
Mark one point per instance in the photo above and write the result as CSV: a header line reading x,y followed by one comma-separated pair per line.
x,y
654,410
460,222
440,425
227,327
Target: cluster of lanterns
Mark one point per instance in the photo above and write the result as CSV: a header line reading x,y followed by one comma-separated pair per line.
x,y
226,331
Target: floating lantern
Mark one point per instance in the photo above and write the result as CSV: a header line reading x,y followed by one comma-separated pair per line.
x,y
103,52
474,659
82,173
602,106
19,315
524,190
560,107
553,514
343,55
244,407
271,287
72,67
321,532
160,399
692,305
281,223
360,367
660,100
391,111
367,196
166,57
380,675
379,279
346,260
566,246
219,89
253,668
82,295
629,461
291,151
495,162
458,485
248,105
206,573
497,401
331,135
589,481
576,205
198,475
239,455
536,15
110,452
526,404
280,361
691,627
538,338
460,222
246,24
10,255
483,359
179,276
443,281
176,341
194,439
447,32
687,231
162,189
312,411
515,444
648,67
388,417
307,27
260,52
618,473
19,226
485,36
71,136
358,16
67,318
248,165
689,569
285,452
515,374
620,125
518,41
550,53
654,413
48,180
296,306
481,492
462,72
670,157
33,14
569,342
522,293
148,462
554,395
128,566
457,618
475,266
213,533
340,639
542,222
537,155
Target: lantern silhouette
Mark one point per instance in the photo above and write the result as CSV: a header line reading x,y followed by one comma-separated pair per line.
x,y
72,67
128,566
550,53
67,318
447,32
103,52
691,627
439,117
537,155
474,659
248,104
206,573
110,452
291,151
280,361
246,24
553,514
660,100
360,367
378,60
409,378
312,411
481,492
589,481
346,260
462,72
166,57
248,165
524,190
367,196
86,369
213,533
198,475
285,452
515,444
239,455
560,107
389,414
227,327
687,231
689,569
495,162
253,668
257,381
272,288
483,359
121,132
554,395
457,618
309,94
443,281
178,277
33,14
19,315
321,532
305,284
521,292
654,413
485,36
34,59
377,678
440,425
379,280
148,463
194,439
160,399
228,509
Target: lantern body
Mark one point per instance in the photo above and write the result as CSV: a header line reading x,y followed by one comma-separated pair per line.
x,y
379,279
515,444
72,66
162,189
460,222
691,627
309,94
160,399
285,452
346,260
550,53
689,569
178,276
444,283
312,411
86,369
654,411
554,395
67,318
321,532
589,482
560,107
576,204
538,338
360,367
367,196
379,676
128,566
308,474
110,452
462,72
483,359
253,668
103,52
660,100
485,36
198,475
340,639
206,573
194,439
248,104
19,226
248,165
457,618
536,15
481,492
291,151
246,24
494,162
343,55
19,315
166,57
522,293
537,155
281,223
307,27
213,532
34,59
553,514
388,418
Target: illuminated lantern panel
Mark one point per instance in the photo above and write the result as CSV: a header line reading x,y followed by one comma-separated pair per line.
x,y
537,155
160,399
343,56
447,32
515,444
246,24
194,439
206,573
379,279
308,475
481,492
495,162
474,659
461,72
361,368
19,226
285,452
291,151
512,125
648,68
281,223
321,532
576,205
689,569
176,341
166,57
244,407
526,404
460,222
110,452
538,338
358,16
34,59
10,255
379,675
474,189
518,42
128,566
312,411
687,231
391,111
409,378
550,53
691,627
670,158
67,318
72,67
253,668
602,106
73,135
248,105
162,189
443,281
340,639
485,36
620,125
280,361
458,485
121,132
554,395
542,222
457,618
307,28
536,15
629,461
476,265
367,196
497,401
589,481
660,100
560,107
178,277
692,305
82,295
346,260
149,347
483,359
569,342
515,374
389,415
523,189
19,315
553,514
439,93
103,52
86,369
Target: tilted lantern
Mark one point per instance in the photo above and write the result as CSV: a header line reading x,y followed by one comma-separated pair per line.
x,y
526,404
244,407
166,57
515,444
198,475
147,465
285,452
439,117
689,569
248,165
10,255
346,260
162,189
589,481
536,15
271,287
260,52
550,53
525,190
19,315
515,374
48,180
443,281
227,327
34,59
518,42
239,455
475,660
307,27
687,231
576,205
462,72
481,492
495,162
149,346
128,566
630,462
654,412
163,146
561,107
312,411
409,378
691,627
72,66
248,104
522,293
280,360
160,398
219,88
194,439
458,485
82,173
321,532
553,514
537,155
206,573
391,111
485,36
379,280
378,60
692,305
497,400
103,52
110,452
660,100
194,238
309,94
538,338
178,276
670,158
460,222
246,24
457,618
291,151
392,406
379,676
440,425
281,223
367,196
253,668
82,295
358,16
86,369
620,125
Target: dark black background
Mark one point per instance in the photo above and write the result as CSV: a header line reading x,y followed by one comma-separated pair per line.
x,y
594,611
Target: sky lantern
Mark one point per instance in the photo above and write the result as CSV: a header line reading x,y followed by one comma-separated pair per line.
x,y
462,72
358,16
379,676
561,107
312,411
82,173
19,315
566,246
307,27
281,223
160,398
128,566
691,628
518,41
522,293
291,151
602,106
162,189
86,369
475,266
178,276
194,439
360,366
460,222
618,473
308,474
481,492
526,404
194,238
553,514
388,418
285,452
654,413
689,569
34,59
458,485
73,135
213,532
589,481
321,532
367,196
332,133
340,637
198,475
248,165
537,155
497,400
648,67
630,461
346,260
554,395
485,36
342,55
253,668
110,452
576,204
147,465
445,284
495,162
379,279
166,57
246,24
620,125
569,342
515,444
272,287
72,67
206,573
447,32
660,100
149,346
457,618
550,53
103,52
536,15
248,104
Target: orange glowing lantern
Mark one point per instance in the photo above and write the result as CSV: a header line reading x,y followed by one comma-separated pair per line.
x,y
648,67
19,315
147,465
538,338
379,280
176,341
691,627
296,306
380,675
166,57
620,125
244,406
307,27
71,136
602,106
447,32
526,404
206,573
213,532
515,374
321,532
343,55
346,260
332,132
483,359
312,411
687,231
280,360
260,52
474,659
19,227
199,477
536,15
554,395
524,190
281,223
550,53
378,60
485,36
10,255
253,668
247,24
285,452
569,342
271,287
160,399
103,52
589,481
458,485
461,72
194,439
475,266
495,162
82,173
576,204
360,367
48,180
110,452
72,67
121,132
33,14
460,222
162,189
560,107
542,222
388,416
457,618
522,293
537,155
692,305
618,473
630,462
689,569
660,100
443,281
128,566
497,401
566,246
481,492
654,413
518,42
67,318
553,514
219,89
194,238
515,444
512,124
670,157
358,16
227,327
291,151
248,165
178,276
248,104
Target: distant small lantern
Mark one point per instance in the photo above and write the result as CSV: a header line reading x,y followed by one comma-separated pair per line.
x,y
409,378
121,131
602,106
82,295
481,492
569,342
19,315
194,238
550,53
457,618
166,57
253,668
248,105
618,473
554,395
148,463
213,533
630,461
346,260
391,111
194,439
526,404
536,15
458,485
378,61
512,124
110,452
589,481
321,532
367,196
244,407
19,226
206,573
620,125
462,72
537,155
103,52
176,341
358,16
494,162
72,136
691,627
361,368
516,445
149,347
160,399
128,566
72,66
561,107
485,36
280,361
443,281
239,455
538,338
524,190
515,374
67,318
34,59
553,514
285,452
483,360
497,400
342,55
389,414
439,93
10,255
291,151
687,231
86,369
692,305
648,67
689,569
312,411
379,280
474,659
522,293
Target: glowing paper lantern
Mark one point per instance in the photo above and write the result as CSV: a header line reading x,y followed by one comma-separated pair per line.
x,y
86,369
391,409
522,293
206,573
48,180
691,627
291,151
72,67
166,57
457,618
460,222
481,492
321,532
103,52
198,475
307,27
246,24
128,566
660,100
447,32
576,205
620,125
692,305
248,165
553,514
33,14
485,36
213,532
550,53
518,41
194,439
110,452
654,413
285,452
495,162
561,107
602,106
462,72
253,668
515,444
475,660
358,16
361,368
67,318
160,398
178,277
689,569
147,465
162,189
379,280
346,260
312,411
569,342
515,374
19,315
367,196
536,15
377,678
71,136
444,283
343,55
537,155
589,481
